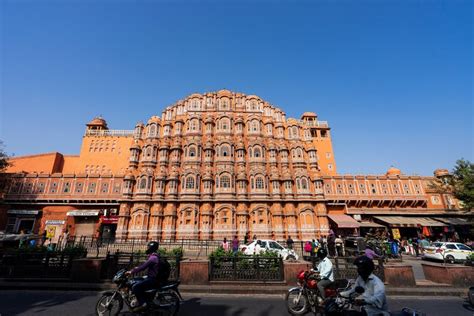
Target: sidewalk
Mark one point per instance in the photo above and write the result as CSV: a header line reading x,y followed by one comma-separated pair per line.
x,y
422,289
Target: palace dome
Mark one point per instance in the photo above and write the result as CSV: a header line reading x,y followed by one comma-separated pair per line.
x,y
393,172
97,121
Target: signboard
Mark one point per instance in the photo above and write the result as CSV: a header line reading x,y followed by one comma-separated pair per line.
x,y
113,219
50,231
83,213
54,222
396,233
22,212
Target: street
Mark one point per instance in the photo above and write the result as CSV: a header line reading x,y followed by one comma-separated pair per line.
x,y
83,303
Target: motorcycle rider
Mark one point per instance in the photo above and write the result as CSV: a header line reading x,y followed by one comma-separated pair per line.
x,y
151,281
374,289
326,271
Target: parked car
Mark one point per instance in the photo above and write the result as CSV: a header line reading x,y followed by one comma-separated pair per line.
x,y
451,251
261,245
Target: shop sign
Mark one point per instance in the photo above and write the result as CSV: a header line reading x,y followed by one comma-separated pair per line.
x,y
54,222
83,213
22,212
396,233
113,219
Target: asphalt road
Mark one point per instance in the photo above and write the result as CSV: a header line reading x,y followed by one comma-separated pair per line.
x,y
83,302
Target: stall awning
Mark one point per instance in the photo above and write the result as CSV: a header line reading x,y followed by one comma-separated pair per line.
x,y
402,221
344,221
370,224
454,221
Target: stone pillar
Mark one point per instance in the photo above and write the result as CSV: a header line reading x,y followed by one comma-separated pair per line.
x,y
289,212
242,221
156,220
169,223
322,219
123,219
205,221
277,221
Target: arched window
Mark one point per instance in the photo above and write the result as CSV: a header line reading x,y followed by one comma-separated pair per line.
x,y
255,126
304,184
190,182
225,182
259,183
225,151
299,153
149,151
143,183
257,153
152,130
192,151
295,132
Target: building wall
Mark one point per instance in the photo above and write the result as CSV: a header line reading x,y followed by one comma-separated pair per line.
x,y
213,165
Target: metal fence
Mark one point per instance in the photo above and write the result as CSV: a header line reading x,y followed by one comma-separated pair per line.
x,y
117,261
27,264
246,269
344,267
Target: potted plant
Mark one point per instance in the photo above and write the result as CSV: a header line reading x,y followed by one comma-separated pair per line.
x,y
470,260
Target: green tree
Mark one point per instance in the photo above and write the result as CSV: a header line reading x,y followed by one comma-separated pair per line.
x,y
3,158
463,183
459,184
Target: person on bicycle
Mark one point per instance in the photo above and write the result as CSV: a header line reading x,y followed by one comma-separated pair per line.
x,y
326,271
151,281
373,297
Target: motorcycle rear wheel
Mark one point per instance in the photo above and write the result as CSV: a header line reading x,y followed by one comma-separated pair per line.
x,y
114,307
295,306
168,303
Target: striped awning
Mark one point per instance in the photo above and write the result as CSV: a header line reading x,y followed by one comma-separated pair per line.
x,y
344,221
454,220
402,221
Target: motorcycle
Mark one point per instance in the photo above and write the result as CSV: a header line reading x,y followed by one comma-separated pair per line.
x,y
340,305
164,300
306,296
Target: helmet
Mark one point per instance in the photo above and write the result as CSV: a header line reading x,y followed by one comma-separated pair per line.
x,y
322,253
152,247
365,263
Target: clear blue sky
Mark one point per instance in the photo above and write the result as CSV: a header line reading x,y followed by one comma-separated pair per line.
x,y
393,78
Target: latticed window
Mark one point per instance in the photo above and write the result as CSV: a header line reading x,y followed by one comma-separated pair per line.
x,y
225,151
257,152
143,184
192,151
259,183
304,184
225,182
190,182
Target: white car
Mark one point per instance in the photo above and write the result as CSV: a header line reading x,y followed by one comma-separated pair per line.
x,y
260,245
452,251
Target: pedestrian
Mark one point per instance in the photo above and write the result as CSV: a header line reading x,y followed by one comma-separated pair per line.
x,y
289,242
43,238
23,239
308,247
415,247
225,245
65,238
314,247
235,245
332,244
246,239
254,237
339,244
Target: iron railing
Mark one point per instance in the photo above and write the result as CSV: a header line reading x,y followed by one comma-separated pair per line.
x,y
117,261
247,268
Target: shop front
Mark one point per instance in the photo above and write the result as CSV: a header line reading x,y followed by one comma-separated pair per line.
x,y
86,222
22,221
108,226
344,225
411,227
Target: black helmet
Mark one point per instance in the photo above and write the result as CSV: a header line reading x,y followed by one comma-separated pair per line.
x,y
152,247
322,253
364,262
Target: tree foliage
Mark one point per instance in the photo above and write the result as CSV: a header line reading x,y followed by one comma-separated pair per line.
x,y
3,158
460,184
463,183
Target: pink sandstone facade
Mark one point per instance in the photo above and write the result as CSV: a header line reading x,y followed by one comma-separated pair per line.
x,y
213,165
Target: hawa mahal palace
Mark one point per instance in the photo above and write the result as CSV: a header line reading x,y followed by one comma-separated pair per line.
x,y
213,165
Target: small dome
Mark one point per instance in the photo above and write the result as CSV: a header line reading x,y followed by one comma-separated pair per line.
x,y
154,119
308,114
224,93
441,173
393,172
97,121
